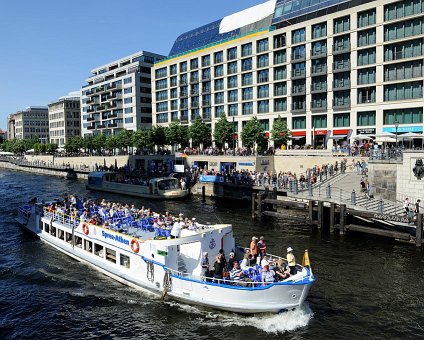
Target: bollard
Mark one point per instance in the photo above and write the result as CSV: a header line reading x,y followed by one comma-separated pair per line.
x,y
310,190
296,188
353,197
328,191
381,206
203,193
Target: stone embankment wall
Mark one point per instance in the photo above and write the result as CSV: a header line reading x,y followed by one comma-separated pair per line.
x,y
408,184
383,179
223,190
70,174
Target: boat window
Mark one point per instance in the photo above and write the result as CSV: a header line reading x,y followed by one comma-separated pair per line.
x,y
60,234
53,231
111,255
78,241
167,184
68,237
88,246
46,227
98,250
124,260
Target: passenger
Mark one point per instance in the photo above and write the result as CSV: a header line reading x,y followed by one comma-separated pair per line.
x,y
85,217
194,225
237,275
176,229
205,266
254,248
261,247
291,261
223,259
265,261
218,267
231,259
282,271
267,275
246,263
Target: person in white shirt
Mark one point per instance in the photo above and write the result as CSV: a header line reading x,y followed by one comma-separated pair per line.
x,y
176,229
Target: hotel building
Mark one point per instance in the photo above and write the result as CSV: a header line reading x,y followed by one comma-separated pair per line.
x,y
64,119
31,123
118,95
332,69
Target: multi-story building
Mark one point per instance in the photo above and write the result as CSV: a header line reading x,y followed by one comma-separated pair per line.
x,y
332,69
28,124
64,119
118,95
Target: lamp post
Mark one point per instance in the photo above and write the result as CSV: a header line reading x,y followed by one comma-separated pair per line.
x,y
396,128
234,140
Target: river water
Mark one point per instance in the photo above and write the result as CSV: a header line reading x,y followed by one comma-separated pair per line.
x,y
365,288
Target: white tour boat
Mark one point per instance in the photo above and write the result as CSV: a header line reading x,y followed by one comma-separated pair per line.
x,y
169,267
160,187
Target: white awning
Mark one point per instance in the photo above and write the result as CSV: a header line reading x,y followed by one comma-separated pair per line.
x,y
298,137
337,136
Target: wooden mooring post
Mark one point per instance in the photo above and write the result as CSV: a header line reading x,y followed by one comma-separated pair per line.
x,y
342,226
320,215
419,231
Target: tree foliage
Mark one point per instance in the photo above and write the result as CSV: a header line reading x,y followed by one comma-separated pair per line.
x,y
252,133
158,135
223,130
177,134
280,134
199,133
142,139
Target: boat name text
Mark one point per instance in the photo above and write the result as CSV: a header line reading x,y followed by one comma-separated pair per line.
x,y
117,238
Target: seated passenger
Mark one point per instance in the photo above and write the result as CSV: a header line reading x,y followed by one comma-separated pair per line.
x,y
267,275
231,259
246,263
282,271
237,275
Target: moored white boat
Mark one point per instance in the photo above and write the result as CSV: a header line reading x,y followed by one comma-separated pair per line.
x,y
160,187
167,267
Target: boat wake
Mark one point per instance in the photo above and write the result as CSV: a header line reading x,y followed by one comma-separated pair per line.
x,y
270,323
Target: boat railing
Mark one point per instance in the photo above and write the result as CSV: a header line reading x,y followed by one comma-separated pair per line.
x,y
25,211
61,218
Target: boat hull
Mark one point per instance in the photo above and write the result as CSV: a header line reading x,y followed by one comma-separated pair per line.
x,y
122,191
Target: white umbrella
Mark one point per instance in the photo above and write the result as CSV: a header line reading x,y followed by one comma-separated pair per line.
x,y
411,135
30,151
385,135
5,153
362,137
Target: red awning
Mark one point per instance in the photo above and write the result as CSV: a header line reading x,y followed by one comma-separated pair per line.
x,y
341,132
298,133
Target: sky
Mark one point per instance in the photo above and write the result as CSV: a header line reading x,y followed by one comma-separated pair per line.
x,y
49,47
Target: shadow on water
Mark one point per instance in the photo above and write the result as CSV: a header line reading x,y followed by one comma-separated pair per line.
x,y
365,287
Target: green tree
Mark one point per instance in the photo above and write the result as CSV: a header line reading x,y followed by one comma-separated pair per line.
x,y
223,131
252,133
175,133
158,135
124,139
280,134
99,142
111,143
88,143
51,148
199,133
142,139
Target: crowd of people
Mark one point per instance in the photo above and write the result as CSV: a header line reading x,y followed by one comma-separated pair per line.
x,y
256,267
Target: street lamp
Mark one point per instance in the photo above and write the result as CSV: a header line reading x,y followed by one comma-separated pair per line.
x,y
234,140
396,127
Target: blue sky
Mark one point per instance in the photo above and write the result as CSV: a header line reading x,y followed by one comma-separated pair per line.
x,y
48,47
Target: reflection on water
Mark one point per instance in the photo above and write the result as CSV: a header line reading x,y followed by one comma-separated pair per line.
x,y
364,287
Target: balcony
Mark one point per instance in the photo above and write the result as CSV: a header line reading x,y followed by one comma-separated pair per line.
x,y
90,110
341,104
183,82
91,119
100,89
206,103
297,91
101,126
90,92
341,67
112,125
298,107
93,100
315,54
341,85
206,90
296,74
207,118
206,78
194,105
341,49
91,127
194,80
183,94
297,57
316,88
316,71
183,107
184,119
194,93
319,106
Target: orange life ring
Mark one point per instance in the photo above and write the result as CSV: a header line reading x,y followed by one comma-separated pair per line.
x,y
85,228
135,246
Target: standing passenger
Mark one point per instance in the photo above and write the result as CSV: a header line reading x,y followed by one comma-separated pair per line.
x,y
261,247
254,248
291,261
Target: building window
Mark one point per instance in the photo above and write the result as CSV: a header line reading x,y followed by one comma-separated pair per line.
x,y
218,57
232,96
366,57
247,93
403,91
219,71
319,122
233,110
206,60
183,66
129,79
366,18
403,9
232,53
299,123
319,30
262,45
280,57
219,111
404,29
366,37
365,118
173,69
219,84
403,116
280,105
408,70
408,49
246,50
194,64
366,76
232,67
246,79
280,73
160,73
280,89
263,106
246,64
263,91
262,61
263,76
341,24
298,36
247,108
366,95
279,41
341,120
